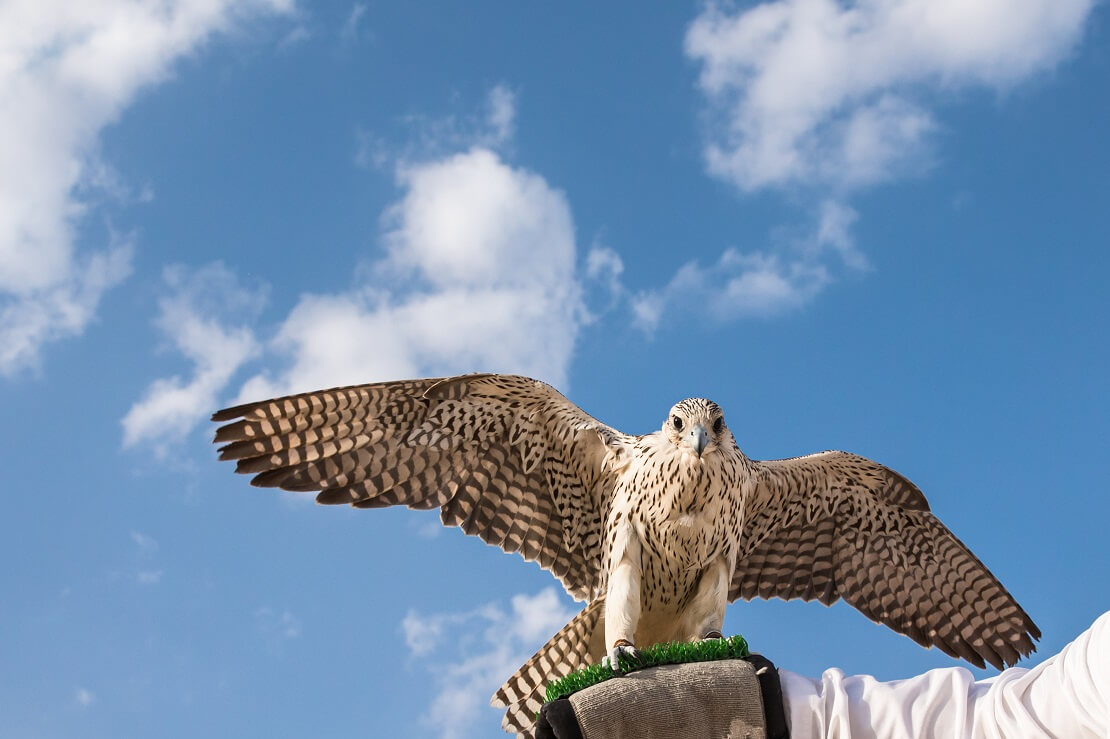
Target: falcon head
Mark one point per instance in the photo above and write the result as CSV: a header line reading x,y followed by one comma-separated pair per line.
x,y
696,423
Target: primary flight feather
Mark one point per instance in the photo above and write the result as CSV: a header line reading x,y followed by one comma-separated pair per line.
x,y
656,532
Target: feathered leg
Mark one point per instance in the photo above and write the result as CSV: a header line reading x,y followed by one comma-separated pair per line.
x,y
622,610
705,613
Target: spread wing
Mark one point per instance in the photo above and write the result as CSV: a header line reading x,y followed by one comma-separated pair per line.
x,y
505,458
835,525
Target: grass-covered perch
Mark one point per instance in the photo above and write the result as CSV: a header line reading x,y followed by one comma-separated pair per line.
x,y
670,653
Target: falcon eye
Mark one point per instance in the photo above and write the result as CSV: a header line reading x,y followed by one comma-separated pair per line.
x,y
677,423
719,424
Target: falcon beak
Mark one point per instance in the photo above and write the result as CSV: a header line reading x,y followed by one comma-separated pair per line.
x,y
699,438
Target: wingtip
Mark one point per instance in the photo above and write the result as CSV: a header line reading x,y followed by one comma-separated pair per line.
x,y
241,410
1032,636
227,414
267,479
334,496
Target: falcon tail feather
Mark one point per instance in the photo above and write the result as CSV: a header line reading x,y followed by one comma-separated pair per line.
x,y
578,644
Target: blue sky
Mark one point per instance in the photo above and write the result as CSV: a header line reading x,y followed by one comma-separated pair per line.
x,y
878,227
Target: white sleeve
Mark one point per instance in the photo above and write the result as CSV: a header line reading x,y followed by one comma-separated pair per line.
x,y
1066,696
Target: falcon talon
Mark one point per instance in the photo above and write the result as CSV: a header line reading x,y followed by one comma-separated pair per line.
x,y
622,648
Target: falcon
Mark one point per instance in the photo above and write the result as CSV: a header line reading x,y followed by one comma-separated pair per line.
x,y
656,533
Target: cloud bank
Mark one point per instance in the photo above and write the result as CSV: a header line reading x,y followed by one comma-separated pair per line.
x,y
826,97
836,94
759,283
477,269
68,70
479,272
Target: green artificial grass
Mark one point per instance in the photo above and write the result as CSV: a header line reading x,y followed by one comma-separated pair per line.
x,y
671,653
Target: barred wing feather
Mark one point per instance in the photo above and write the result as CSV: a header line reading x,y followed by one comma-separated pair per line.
x,y
505,458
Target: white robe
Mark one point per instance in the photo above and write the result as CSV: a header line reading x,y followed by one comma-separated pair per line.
x,y
1066,696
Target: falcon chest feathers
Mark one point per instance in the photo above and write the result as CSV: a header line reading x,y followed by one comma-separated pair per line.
x,y
672,532
657,533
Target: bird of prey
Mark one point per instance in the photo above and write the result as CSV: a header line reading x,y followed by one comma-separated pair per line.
x,y
657,533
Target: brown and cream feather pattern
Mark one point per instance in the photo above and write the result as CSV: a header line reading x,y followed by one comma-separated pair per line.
x,y
835,525
504,458
655,532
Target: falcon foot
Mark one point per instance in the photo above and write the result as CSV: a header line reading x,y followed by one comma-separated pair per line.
x,y
622,648
712,635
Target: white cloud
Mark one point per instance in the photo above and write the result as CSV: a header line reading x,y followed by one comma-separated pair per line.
x,y
276,627
147,545
536,618
57,309
371,151
297,35
428,138
147,549
479,274
604,267
500,115
194,317
67,70
422,633
759,283
834,230
464,681
832,93
83,697
604,264
148,577
350,26
834,96
427,529
461,218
